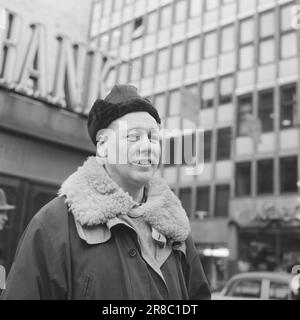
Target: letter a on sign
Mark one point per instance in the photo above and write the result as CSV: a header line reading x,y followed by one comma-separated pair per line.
x,y
2,278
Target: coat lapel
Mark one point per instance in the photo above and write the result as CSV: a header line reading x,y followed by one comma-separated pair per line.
x,y
94,198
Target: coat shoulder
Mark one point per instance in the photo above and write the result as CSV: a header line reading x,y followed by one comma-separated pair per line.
x,y
54,217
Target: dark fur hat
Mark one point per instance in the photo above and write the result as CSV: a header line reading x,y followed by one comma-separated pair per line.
x,y
121,100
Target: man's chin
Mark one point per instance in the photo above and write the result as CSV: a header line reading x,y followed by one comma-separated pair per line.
x,y
144,175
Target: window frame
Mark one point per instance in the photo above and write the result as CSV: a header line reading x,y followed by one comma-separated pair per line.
x,y
221,188
282,174
286,104
221,134
264,38
261,109
243,45
260,172
248,166
208,103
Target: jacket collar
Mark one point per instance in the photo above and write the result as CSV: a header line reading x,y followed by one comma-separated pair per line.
x,y
95,199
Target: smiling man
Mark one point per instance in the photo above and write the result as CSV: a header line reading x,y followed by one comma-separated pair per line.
x,y
116,231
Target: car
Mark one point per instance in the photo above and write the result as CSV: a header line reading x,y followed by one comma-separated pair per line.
x,y
260,285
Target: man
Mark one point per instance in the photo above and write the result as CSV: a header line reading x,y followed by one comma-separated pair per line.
x,y
116,231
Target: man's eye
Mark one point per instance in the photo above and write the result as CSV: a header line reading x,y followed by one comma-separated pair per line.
x,y
133,137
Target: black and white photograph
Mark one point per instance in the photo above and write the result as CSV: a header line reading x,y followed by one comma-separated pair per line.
x,y
150,150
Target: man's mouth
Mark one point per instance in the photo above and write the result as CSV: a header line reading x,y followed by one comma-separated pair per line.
x,y
142,162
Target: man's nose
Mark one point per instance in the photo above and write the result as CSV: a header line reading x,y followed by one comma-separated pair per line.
x,y
145,145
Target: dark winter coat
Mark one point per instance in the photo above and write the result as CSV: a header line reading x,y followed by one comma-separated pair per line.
x,y
54,262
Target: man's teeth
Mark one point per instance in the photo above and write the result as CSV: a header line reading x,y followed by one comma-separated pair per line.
x,y
143,162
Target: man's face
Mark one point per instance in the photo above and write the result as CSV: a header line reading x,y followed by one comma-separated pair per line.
x,y
137,144
3,218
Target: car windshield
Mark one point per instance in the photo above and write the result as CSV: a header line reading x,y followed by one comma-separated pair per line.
x,y
246,288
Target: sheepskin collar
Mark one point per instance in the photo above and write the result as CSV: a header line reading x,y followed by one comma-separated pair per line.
x,y
94,198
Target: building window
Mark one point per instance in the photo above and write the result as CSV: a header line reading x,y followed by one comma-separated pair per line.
x,y
227,39
246,58
195,8
177,56
208,94
138,28
106,7
265,110
245,6
185,198
202,201
286,16
246,52
118,5
123,72
222,200
174,103
225,2
226,89
224,144
288,45
180,11
244,111
163,60
135,73
126,33
115,39
165,17
267,41
288,36
152,22
148,65
96,18
288,174
210,45
160,103
288,106
265,183
193,50
210,5
246,31
267,51
243,179
207,145
128,2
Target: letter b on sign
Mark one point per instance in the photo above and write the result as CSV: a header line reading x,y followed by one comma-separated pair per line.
x,y
2,278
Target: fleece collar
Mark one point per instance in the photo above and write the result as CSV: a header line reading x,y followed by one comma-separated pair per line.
x,y
94,199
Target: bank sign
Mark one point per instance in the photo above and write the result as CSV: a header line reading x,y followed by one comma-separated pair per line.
x,y
79,76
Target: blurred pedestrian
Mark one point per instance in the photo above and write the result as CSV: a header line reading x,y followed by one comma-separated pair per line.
x,y
116,231
4,209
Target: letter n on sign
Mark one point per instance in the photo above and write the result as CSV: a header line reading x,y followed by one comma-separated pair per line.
x,y
2,278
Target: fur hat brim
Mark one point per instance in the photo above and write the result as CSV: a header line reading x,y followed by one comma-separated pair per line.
x,y
103,113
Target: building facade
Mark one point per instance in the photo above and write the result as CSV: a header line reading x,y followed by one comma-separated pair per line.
x,y
240,62
43,138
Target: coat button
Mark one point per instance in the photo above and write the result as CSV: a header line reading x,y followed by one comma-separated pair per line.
x,y
132,252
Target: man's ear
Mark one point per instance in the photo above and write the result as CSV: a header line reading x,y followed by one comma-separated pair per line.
x,y
102,147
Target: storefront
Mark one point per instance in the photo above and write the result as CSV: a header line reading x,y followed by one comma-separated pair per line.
x,y
267,238
40,145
